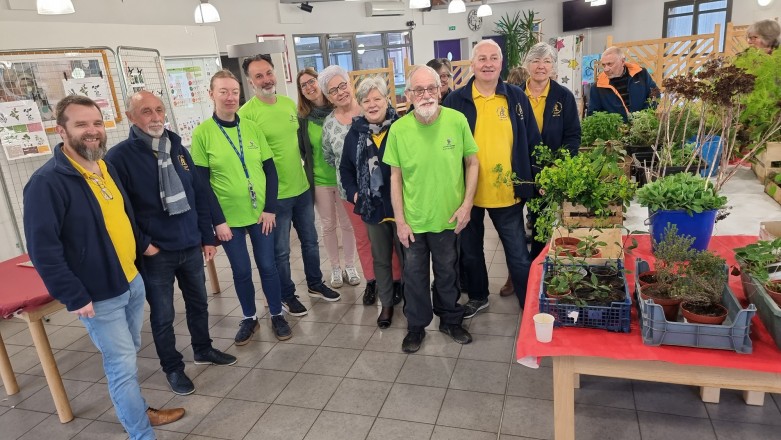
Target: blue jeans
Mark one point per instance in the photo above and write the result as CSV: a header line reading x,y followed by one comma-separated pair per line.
x,y
509,225
299,211
238,256
116,332
159,272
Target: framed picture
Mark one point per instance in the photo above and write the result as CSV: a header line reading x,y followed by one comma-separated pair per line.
x,y
285,59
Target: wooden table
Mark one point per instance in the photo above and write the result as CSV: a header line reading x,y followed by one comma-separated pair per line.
x,y
22,293
622,355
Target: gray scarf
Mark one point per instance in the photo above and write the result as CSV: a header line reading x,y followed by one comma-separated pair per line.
x,y
172,193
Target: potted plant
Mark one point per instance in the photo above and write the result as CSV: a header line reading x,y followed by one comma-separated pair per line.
x,y
562,282
700,289
690,202
762,260
643,131
761,117
602,125
520,34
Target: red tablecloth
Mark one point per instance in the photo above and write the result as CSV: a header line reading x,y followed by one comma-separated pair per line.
x,y
20,287
569,341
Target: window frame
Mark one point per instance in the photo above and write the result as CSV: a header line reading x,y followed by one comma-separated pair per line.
x,y
695,15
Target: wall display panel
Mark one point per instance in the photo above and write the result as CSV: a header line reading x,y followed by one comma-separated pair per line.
x,y
188,84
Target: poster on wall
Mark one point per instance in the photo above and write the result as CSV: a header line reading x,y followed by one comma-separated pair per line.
x,y
570,59
95,89
188,86
21,130
590,67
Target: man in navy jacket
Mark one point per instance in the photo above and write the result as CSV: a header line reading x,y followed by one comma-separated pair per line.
x,y
503,125
175,228
621,87
82,241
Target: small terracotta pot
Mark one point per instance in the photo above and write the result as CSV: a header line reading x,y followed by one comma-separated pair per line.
x,y
669,305
773,289
701,319
566,241
566,250
650,273
557,297
598,254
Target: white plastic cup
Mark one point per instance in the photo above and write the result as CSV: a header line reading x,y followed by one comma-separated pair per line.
x,y
543,326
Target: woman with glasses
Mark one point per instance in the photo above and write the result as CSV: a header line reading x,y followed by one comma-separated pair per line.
x,y
312,110
445,71
366,182
234,157
334,80
764,35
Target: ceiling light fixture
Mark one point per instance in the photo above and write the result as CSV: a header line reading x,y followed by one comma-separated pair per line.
x,y
764,2
419,4
306,7
206,13
598,2
54,7
484,10
456,7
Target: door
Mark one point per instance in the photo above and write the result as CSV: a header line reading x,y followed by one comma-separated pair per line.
x,y
450,49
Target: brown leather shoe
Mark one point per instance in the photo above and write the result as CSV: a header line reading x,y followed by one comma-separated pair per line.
x,y
507,289
159,417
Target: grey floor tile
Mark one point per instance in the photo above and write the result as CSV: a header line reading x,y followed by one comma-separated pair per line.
x,y
283,423
28,386
339,426
489,348
65,336
98,430
438,344
16,422
508,305
52,429
42,400
732,407
308,391
197,407
524,416
356,396
91,403
326,312
251,354
261,385
218,381
606,423
605,391
287,357
27,358
413,403
375,365
330,361
529,382
480,376
388,340
84,344
432,371
231,419
360,314
169,435
668,398
91,370
65,359
657,426
349,336
513,437
731,430
471,410
386,429
10,327
21,338
449,433
497,324
310,332
153,398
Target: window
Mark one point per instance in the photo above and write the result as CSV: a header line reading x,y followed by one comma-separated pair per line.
x,y
695,17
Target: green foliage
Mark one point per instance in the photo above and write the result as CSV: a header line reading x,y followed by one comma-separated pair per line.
x,y
518,32
777,179
589,246
675,156
758,258
763,104
602,125
681,191
564,280
643,128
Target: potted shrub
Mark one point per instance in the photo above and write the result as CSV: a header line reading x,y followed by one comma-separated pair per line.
x,y
643,131
602,126
762,260
700,289
761,117
690,202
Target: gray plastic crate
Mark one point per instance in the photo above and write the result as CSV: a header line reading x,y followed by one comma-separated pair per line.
x,y
733,334
767,309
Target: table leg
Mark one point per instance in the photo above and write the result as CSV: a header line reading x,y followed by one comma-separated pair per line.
x,y
213,276
710,394
576,380
6,371
564,398
756,398
50,370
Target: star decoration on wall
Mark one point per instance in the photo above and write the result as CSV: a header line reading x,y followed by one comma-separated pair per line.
x,y
573,64
559,44
565,80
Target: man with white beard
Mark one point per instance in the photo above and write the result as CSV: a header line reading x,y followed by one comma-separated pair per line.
x,y
431,151
82,241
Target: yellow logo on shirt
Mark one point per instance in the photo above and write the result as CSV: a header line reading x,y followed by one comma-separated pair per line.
x,y
502,113
183,162
557,109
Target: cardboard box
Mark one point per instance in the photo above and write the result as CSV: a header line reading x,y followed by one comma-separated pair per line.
x,y
769,230
614,250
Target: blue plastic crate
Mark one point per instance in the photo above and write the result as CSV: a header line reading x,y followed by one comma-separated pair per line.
x,y
733,334
614,318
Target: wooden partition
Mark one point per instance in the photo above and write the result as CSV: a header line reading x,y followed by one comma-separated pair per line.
x,y
385,73
462,72
735,40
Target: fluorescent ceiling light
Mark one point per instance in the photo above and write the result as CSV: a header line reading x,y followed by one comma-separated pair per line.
x,y
419,4
456,7
598,2
764,2
55,7
484,11
206,13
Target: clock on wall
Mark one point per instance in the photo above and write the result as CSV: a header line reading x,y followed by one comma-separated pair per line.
x,y
473,20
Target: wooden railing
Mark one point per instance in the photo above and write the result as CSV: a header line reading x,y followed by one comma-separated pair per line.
x,y
385,73
735,40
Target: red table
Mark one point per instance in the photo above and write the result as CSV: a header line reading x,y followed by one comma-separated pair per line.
x,y
623,355
23,295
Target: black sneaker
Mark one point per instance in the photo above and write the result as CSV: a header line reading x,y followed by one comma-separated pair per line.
x,y
214,357
246,328
370,293
398,292
293,306
179,382
412,341
458,333
473,306
281,328
323,292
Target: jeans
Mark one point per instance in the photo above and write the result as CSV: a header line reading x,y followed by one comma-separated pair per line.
x,y
385,248
509,225
238,256
116,332
159,272
299,211
442,248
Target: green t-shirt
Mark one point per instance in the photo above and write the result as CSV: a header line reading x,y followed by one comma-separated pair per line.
x,y
211,149
325,175
431,161
279,123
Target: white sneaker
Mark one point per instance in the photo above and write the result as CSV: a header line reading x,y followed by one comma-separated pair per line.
x,y
337,280
351,273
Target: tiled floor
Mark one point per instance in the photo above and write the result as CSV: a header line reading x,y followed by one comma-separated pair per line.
x,y
340,377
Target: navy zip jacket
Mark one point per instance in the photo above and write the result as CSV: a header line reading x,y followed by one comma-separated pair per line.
x,y
605,98
526,135
136,167
560,122
67,239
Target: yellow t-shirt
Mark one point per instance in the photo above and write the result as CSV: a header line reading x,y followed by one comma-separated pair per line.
x,y
378,138
494,136
112,205
538,103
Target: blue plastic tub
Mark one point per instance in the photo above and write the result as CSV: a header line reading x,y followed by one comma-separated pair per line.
x,y
711,153
698,225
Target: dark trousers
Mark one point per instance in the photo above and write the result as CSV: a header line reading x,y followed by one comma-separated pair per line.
x,y
158,274
442,249
510,227
298,211
536,245
384,242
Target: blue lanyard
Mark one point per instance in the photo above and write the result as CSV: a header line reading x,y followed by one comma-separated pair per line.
x,y
239,151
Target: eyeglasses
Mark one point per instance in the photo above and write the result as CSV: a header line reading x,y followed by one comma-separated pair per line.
x,y
222,93
445,76
310,83
340,88
103,190
420,92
